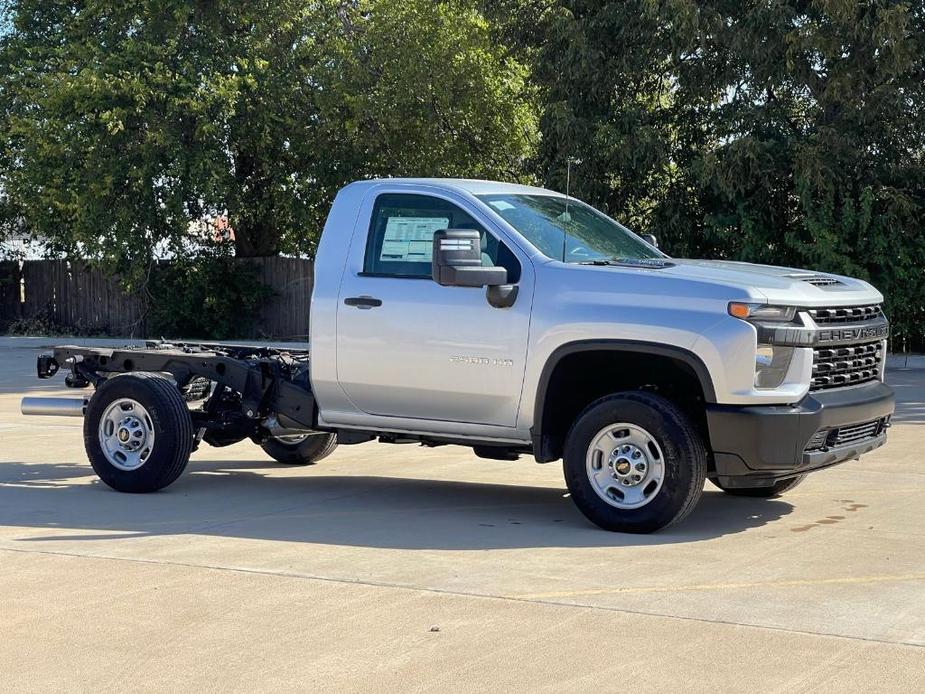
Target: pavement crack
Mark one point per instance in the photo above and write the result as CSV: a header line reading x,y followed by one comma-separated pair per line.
x,y
546,602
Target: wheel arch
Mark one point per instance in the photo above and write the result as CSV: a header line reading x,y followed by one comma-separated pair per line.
x,y
547,438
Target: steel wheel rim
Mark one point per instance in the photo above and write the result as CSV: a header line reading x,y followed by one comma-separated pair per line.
x,y
126,434
625,466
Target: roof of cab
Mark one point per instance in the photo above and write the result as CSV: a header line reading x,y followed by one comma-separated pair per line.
x,y
468,185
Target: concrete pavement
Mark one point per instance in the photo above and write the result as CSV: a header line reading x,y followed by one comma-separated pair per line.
x,y
396,568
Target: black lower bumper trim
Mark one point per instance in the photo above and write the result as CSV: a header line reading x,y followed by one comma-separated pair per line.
x,y
756,445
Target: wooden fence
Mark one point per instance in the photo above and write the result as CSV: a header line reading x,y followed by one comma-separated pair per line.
x,y
284,316
73,296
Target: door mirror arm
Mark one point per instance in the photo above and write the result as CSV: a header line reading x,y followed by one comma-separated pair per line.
x,y
502,295
471,276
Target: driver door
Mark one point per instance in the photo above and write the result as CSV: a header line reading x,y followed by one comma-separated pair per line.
x,y
410,348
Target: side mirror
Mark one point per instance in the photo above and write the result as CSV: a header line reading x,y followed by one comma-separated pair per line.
x,y
650,239
457,261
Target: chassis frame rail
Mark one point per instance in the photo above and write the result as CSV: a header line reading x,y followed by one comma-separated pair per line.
x,y
271,381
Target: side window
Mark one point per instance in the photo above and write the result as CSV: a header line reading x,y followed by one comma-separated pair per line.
x,y
401,233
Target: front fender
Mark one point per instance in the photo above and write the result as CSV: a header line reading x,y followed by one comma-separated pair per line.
x,y
721,353
664,337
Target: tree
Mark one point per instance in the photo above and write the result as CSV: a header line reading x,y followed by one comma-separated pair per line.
x,y
822,160
427,92
125,122
5,16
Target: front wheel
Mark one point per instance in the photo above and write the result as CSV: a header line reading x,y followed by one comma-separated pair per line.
x,y
771,491
138,432
634,463
301,449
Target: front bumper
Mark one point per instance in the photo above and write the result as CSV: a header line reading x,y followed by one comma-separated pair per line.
x,y
754,446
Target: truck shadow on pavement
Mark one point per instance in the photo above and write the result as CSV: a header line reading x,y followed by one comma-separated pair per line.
x,y
235,499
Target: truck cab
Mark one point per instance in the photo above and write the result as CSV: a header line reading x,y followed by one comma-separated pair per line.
x,y
777,371
520,321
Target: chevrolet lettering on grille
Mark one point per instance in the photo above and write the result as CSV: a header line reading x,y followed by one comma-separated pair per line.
x,y
843,334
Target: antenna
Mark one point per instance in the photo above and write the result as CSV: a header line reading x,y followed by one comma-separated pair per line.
x,y
568,177
565,216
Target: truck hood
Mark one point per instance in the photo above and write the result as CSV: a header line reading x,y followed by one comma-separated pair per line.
x,y
779,285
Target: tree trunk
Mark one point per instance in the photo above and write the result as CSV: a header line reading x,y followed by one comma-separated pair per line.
x,y
256,240
256,233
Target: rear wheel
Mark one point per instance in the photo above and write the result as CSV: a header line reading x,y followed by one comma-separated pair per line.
x,y
302,449
634,463
138,432
769,492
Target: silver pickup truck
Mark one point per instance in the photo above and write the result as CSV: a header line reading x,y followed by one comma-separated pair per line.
x,y
516,321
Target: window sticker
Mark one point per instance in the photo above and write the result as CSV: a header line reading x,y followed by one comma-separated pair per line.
x,y
410,239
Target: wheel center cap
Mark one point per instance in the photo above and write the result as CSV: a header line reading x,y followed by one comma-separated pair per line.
x,y
123,435
629,465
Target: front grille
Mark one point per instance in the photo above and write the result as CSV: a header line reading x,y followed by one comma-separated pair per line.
x,y
845,314
836,367
858,432
824,439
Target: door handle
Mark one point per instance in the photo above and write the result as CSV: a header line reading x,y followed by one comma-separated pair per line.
x,y
364,302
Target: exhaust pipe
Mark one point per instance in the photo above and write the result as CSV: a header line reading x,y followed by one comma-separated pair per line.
x,y
54,407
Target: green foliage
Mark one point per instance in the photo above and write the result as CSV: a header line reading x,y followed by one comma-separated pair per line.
x,y
123,122
429,93
44,324
786,132
5,17
212,295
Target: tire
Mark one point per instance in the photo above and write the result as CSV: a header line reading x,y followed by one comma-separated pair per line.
x,y
158,432
669,447
771,492
308,451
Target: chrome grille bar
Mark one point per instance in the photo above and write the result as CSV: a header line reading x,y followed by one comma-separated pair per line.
x,y
845,314
841,365
835,367
858,432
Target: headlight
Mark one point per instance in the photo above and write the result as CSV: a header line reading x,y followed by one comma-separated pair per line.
x,y
771,365
762,312
772,362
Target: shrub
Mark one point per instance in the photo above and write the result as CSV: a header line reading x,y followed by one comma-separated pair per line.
x,y
212,296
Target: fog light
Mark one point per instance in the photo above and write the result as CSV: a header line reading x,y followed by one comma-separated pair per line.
x,y
771,365
818,440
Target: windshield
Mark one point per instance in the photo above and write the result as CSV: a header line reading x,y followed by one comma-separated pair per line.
x,y
567,230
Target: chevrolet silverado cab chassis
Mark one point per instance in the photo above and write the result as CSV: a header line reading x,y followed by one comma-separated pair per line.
x,y
516,320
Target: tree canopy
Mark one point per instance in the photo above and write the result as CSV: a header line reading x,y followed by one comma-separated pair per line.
x,y
124,122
